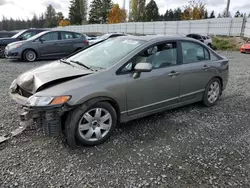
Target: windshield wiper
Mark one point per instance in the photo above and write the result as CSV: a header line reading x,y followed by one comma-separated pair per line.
x,y
66,62
81,64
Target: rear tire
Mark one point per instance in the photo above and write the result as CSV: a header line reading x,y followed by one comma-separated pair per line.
x,y
29,55
93,125
78,49
212,92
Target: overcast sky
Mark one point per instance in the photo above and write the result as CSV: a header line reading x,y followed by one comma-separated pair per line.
x,y
27,8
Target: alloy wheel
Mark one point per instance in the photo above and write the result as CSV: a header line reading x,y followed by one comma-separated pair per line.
x,y
30,56
213,92
95,124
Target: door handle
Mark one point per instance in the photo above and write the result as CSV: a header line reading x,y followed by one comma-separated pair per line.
x,y
205,67
173,73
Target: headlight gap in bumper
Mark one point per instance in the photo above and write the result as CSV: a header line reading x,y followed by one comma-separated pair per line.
x,y
47,117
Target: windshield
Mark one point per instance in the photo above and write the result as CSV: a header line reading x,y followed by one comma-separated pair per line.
x,y
107,53
18,34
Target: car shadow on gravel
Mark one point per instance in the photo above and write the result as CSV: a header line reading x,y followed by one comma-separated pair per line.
x,y
39,60
141,130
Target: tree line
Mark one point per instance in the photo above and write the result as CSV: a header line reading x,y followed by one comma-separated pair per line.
x,y
105,11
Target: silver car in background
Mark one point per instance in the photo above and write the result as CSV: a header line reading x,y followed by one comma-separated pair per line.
x,y
106,37
46,45
87,94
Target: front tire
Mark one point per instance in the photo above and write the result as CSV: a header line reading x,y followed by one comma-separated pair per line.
x,y
93,125
212,92
29,55
2,51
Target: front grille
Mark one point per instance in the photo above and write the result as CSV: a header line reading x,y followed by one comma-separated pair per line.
x,y
22,92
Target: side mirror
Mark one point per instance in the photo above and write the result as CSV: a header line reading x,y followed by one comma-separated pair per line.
x,y
20,38
41,40
142,67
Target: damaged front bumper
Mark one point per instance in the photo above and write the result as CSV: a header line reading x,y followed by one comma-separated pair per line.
x,y
49,118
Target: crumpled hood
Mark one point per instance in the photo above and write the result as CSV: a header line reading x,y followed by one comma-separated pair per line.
x,y
51,73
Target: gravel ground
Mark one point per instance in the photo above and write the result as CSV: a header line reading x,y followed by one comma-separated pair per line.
x,y
193,146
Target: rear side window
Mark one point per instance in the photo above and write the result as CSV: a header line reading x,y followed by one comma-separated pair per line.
x,y
78,35
193,52
66,35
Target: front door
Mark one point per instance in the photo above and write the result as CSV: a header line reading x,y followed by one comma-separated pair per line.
x,y
196,70
160,87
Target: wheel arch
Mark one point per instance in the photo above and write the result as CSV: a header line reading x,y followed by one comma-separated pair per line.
x,y
70,131
95,100
31,50
220,79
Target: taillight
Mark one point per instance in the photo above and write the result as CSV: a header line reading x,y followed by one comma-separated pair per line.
x,y
86,42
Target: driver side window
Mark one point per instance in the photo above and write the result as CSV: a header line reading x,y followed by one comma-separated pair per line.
x,y
160,56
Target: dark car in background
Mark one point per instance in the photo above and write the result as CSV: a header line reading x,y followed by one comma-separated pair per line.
x,y
7,34
205,39
47,45
22,35
106,36
196,36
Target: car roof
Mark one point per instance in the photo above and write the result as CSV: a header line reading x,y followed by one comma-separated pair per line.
x,y
40,29
153,37
66,31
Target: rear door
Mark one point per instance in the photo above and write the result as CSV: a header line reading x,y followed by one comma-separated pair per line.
x,y
196,70
66,43
49,46
81,40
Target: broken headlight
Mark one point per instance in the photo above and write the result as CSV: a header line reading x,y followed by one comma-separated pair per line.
x,y
45,101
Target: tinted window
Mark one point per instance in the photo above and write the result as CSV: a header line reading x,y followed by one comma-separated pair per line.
x,y
198,37
78,35
213,57
50,36
116,35
193,52
28,34
67,35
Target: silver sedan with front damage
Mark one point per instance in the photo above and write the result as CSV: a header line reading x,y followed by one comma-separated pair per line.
x,y
87,94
